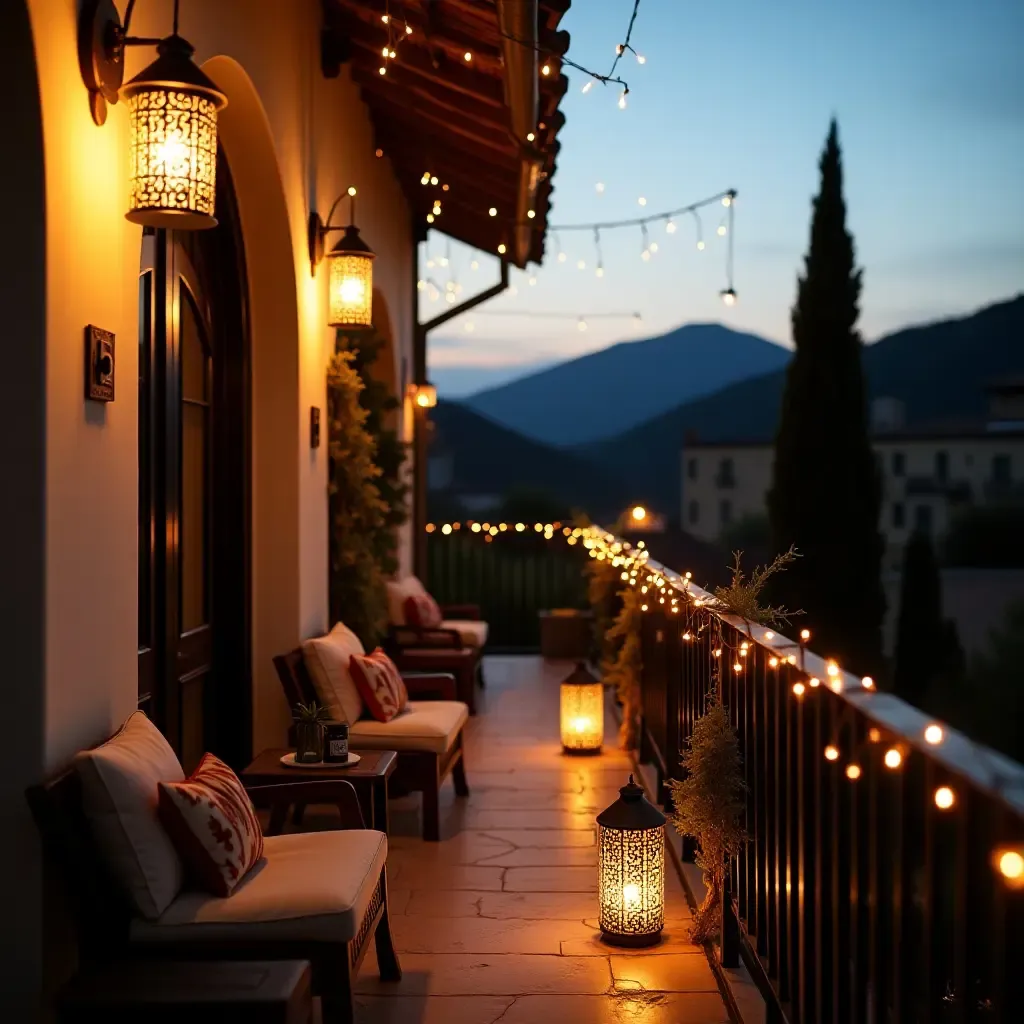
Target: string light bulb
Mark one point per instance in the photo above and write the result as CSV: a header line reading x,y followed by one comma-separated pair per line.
x,y
581,324
728,294
492,212
587,86
831,753
1011,865
944,798
893,758
868,683
933,734
599,188
670,227
546,70
467,57
622,99
853,772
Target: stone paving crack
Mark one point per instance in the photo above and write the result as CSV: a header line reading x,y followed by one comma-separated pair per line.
x,y
507,1008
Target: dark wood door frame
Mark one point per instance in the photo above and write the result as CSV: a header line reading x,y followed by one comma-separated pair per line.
x,y
214,265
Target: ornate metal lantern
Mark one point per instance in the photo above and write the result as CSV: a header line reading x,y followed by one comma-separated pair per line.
x,y
631,866
582,706
424,395
350,268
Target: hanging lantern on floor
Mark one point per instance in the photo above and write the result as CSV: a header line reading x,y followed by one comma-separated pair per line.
x,y
582,712
631,866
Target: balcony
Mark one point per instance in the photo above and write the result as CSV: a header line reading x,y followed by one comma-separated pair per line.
x,y
498,920
883,878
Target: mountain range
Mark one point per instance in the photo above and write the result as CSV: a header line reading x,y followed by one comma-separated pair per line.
x,y
602,394
938,370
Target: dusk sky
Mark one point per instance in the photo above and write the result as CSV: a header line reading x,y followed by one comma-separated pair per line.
x,y
929,95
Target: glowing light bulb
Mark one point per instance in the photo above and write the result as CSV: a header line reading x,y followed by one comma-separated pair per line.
x,y
868,683
893,758
581,264
384,52
933,734
814,681
631,894
430,218
622,101
562,257
467,57
805,635
831,753
385,18
641,59
580,724
446,529
581,325
700,245
546,70
853,772
727,200
721,230
408,30
944,798
533,280
670,227
654,246
645,255
1011,864
492,212
433,179
502,248
639,513
475,265
530,136
799,689
382,70
587,86
599,272
642,200
599,187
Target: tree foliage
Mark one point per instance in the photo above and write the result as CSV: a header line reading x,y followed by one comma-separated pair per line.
x,y
390,452
928,652
358,514
825,497
708,806
742,597
986,537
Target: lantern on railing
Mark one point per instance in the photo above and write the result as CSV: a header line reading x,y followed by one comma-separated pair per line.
x,y
582,718
631,870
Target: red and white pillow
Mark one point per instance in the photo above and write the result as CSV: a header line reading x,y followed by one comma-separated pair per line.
x,y
422,610
213,825
380,684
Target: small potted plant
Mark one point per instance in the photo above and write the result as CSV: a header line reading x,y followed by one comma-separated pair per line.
x,y
310,720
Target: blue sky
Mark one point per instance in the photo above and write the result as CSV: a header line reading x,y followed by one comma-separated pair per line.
x,y
929,95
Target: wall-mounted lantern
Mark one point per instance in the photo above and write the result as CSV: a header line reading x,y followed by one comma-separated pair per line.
x,y
350,266
582,712
631,870
423,395
172,109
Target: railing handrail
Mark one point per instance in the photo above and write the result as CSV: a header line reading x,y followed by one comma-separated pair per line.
x,y
995,774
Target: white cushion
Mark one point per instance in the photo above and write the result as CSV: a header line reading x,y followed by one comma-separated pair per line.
x,y
119,797
308,886
472,632
427,725
327,660
398,590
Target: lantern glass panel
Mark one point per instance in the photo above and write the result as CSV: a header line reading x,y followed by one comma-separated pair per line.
x,y
631,883
351,289
172,157
582,716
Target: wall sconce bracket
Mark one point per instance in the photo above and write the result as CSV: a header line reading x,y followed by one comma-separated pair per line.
x,y
101,54
317,235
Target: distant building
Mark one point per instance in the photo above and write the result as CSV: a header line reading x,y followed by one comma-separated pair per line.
x,y
927,471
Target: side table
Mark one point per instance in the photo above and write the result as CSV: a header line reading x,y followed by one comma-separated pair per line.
x,y
369,777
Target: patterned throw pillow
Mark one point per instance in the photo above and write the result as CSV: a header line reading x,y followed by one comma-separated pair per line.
x,y
380,684
213,825
421,610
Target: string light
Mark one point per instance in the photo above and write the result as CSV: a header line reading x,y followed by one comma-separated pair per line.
x,y
944,798
893,758
933,734
868,683
831,753
853,772
1011,865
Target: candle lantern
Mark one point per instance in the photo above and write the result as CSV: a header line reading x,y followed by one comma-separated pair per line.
x,y
350,266
631,881
582,712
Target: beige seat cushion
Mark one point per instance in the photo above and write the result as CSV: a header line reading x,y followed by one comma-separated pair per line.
x,y
327,660
119,796
310,886
428,725
472,632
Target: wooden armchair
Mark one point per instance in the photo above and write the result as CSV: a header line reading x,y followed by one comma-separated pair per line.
x,y
428,740
340,896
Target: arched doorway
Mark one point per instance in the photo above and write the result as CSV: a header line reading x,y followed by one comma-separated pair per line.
x,y
194,519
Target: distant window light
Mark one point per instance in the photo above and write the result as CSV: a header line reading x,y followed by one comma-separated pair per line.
x,y
725,512
694,512
899,515
899,464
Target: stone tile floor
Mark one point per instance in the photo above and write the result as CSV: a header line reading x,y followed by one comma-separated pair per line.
x,y
498,921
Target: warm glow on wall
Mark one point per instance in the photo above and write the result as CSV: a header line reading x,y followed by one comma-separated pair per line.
x,y
582,712
631,870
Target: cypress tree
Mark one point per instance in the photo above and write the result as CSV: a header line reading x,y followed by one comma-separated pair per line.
x,y
930,666
826,490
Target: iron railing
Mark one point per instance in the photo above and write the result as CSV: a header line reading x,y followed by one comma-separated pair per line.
x,y
513,578
872,887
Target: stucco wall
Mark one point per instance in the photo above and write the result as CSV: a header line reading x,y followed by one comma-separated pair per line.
x,y
293,140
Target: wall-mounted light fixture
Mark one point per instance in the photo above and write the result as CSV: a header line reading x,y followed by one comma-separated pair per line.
x,y
351,267
172,108
423,395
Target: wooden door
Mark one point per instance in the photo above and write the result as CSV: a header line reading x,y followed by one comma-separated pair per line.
x,y
193,492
